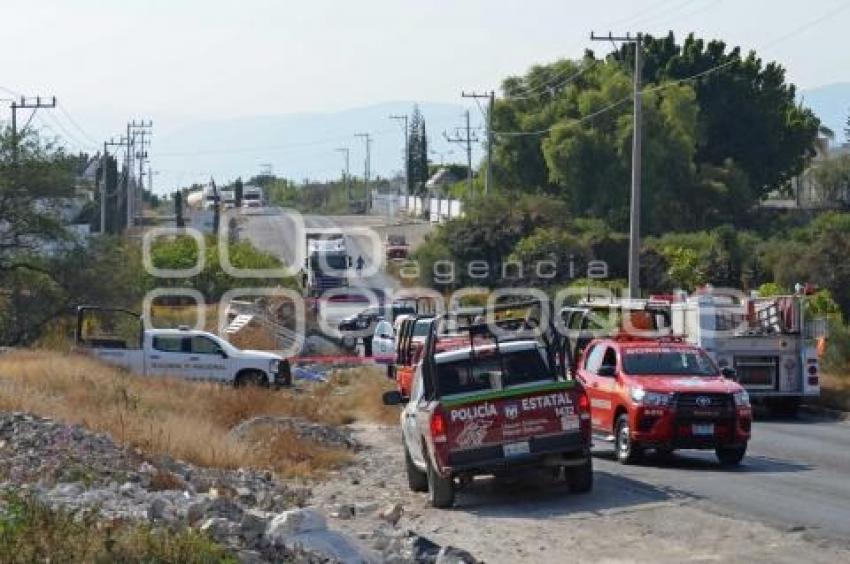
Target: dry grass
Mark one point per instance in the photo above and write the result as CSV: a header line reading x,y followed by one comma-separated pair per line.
x,y
188,420
835,391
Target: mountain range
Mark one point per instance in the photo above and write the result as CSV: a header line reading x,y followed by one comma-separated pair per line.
x,y
305,145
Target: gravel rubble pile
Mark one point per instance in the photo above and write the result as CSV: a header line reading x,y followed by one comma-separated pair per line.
x,y
259,518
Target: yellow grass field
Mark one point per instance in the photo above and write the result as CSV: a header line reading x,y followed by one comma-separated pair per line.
x,y
189,420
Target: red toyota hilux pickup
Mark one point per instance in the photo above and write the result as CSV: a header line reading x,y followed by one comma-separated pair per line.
x,y
663,394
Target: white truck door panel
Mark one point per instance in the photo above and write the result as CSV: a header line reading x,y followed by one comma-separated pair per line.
x,y
410,427
206,361
167,356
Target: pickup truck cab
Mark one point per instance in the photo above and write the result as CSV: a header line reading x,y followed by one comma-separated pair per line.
x,y
663,394
181,353
491,408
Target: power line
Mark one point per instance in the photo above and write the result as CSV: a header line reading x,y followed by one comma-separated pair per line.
x,y
76,125
536,92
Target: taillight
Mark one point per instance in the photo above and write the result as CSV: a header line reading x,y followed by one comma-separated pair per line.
x,y
813,369
438,427
584,416
813,380
584,406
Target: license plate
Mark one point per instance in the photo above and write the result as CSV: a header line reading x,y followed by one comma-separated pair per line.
x,y
516,449
704,429
570,423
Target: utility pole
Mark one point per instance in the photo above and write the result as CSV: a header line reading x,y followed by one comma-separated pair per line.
x,y
367,138
346,174
122,142
491,100
406,153
133,129
26,104
467,140
637,136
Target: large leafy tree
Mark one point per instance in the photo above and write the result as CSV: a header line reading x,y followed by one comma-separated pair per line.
x,y
748,112
712,147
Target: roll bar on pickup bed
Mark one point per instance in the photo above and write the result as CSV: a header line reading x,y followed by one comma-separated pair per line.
x,y
449,326
81,341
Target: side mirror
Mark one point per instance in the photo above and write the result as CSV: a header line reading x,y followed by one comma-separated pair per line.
x,y
607,370
393,397
730,373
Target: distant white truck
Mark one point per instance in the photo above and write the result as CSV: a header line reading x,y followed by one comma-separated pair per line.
x,y
108,334
228,199
252,197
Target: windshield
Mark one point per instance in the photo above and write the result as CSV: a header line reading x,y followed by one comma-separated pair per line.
x,y
331,262
690,362
463,376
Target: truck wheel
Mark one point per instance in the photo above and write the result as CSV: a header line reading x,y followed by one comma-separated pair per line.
x,y
441,490
627,451
417,480
731,456
251,378
580,478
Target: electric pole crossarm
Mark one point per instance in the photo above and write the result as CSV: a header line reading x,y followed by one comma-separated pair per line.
x,y
467,140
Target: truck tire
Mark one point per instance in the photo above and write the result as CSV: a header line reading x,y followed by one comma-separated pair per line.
x,y
285,379
417,480
580,478
251,378
441,490
627,451
731,456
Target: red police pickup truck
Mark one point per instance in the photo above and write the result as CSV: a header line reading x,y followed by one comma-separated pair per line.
x,y
491,408
663,394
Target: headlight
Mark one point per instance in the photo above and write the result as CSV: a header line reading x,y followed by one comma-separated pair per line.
x,y
650,399
274,366
742,398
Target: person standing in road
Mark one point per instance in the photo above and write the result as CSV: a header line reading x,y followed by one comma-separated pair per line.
x,y
360,263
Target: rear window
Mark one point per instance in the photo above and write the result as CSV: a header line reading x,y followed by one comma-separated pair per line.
x,y
689,362
420,329
516,368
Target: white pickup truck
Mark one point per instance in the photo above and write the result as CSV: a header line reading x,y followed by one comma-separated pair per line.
x,y
182,353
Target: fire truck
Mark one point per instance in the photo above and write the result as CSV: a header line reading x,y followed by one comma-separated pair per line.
x,y
770,343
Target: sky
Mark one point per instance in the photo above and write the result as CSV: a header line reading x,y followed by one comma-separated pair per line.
x,y
181,62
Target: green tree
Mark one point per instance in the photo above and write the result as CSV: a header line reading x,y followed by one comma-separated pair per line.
x,y
748,113
178,209
832,180
572,138
417,156
237,192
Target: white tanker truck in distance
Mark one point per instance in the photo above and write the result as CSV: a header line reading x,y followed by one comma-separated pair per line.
x,y
252,197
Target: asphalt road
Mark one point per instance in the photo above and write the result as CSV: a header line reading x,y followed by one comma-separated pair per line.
x,y
796,474
275,232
